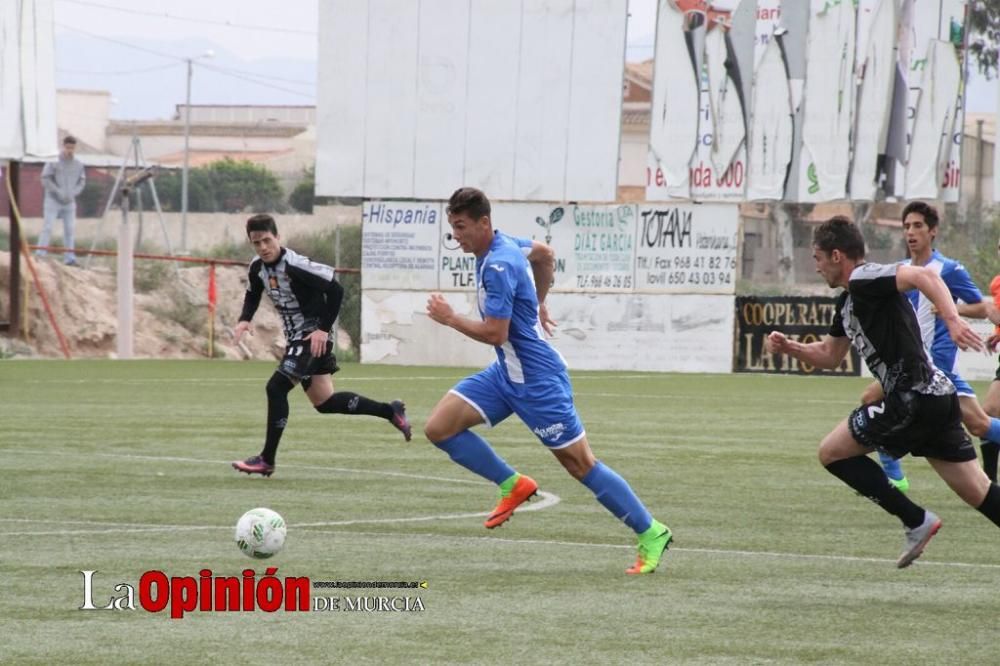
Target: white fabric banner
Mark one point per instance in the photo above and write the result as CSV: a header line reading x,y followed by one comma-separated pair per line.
x,y
27,80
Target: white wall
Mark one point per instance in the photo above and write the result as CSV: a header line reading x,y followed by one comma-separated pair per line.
x,y
84,113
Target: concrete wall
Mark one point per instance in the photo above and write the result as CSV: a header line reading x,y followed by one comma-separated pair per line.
x,y
205,230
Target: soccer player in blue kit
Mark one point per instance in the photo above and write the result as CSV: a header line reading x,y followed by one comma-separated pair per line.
x,y
529,378
920,226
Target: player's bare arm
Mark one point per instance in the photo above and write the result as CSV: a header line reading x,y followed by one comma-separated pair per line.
x,y
543,265
240,329
981,310
490,331
933,287
826,353
317,342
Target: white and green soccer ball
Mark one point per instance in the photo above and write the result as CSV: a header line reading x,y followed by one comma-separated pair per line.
x,y
260,533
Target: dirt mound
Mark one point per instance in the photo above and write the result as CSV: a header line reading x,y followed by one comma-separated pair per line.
x,y
171,312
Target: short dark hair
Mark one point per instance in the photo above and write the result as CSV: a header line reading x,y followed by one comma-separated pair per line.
x,y
69,140
262,222
839,233
928,211
469,200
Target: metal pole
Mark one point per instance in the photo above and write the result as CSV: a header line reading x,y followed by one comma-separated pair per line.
x,y
184,171
979,165
125,282
14,316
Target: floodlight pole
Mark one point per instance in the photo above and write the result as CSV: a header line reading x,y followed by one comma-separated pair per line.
x,y
187,149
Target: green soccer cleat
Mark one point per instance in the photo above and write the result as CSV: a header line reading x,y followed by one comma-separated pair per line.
x,y
902,485
652,544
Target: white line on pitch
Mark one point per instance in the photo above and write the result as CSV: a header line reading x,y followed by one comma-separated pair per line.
x,y
345,470
547,500
700,551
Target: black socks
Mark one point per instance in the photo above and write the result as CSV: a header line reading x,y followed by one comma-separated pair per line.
x,y
866,477
990,451
345,402
991,504
277,414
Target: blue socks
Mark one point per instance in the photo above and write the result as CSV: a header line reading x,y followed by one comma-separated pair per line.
x,y
892,468
476,455
617,496
993,434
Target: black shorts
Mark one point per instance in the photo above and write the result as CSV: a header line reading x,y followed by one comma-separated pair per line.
x,y
299,364
929,426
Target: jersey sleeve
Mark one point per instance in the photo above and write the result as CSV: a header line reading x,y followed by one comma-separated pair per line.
x,y
500,282
837,325
873,281
255,288
961,285
524,243
319,277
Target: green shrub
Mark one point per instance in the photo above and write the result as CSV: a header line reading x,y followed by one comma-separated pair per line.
x,y
304,194
225,186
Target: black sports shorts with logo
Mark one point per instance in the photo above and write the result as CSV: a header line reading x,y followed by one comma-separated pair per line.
x,y
299,364
929,426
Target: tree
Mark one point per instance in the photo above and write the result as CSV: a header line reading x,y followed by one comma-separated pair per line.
x,y
224,186
301,198
984,38
200,199
238,185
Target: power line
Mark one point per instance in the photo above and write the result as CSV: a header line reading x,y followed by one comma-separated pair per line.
x,y
123,72
118,41
166,15
311,84
252,80
221,70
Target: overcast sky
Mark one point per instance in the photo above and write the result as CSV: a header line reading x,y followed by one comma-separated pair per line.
x,y
265,51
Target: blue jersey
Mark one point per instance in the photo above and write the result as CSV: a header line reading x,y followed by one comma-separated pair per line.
x,y
940,346
505,287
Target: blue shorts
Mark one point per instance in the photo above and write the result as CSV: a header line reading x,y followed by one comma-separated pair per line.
x,y
545,406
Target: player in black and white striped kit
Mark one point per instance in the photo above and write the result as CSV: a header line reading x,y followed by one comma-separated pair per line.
x,y
919,413
307,297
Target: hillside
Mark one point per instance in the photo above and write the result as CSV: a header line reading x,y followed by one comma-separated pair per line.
x,y
171,312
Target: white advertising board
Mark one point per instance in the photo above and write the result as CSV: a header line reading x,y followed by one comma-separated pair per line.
x,y
636,287
399,244
687,249
679,333
522,100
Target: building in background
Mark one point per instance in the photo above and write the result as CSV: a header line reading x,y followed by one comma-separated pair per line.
x,y
978,150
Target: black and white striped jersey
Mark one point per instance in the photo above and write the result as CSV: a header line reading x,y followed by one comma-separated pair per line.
x,y
305,293
882,326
